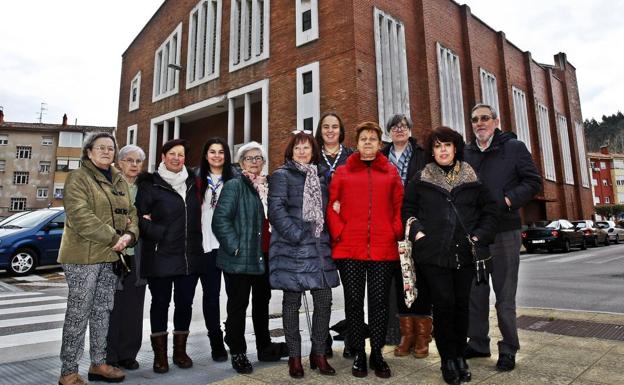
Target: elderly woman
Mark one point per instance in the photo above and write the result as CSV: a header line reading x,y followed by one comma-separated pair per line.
x,y
240,224
330,134
448,202
300,252
125,331
364,218
101,222
171,246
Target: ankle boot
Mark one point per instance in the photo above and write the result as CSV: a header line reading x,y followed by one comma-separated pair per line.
x,y
423,327
241,364
180,358
159,345
217,349
406,325
320,361
295,369
450,373
463,369
359,368
106,373
377,363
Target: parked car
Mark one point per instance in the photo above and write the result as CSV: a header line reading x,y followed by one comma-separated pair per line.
x,y
594,235
558,234
614,232
33,239
12,217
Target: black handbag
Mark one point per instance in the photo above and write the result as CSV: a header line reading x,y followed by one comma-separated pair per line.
x,y
121,267
481,256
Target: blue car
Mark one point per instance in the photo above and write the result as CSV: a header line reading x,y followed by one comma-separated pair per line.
x,y
31,240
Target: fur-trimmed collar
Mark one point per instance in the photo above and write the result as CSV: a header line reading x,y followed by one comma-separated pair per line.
x,y
380,163
432,173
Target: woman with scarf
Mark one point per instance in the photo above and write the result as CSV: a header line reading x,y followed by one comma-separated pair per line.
x,y
330,134
300,252
171,246
240,224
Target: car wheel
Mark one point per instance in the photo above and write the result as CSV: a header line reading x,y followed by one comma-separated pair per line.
x,y
566,246
530,249
583,245
595,242
606,241
617,239
23,262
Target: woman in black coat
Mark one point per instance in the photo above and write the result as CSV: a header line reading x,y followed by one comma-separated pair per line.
x,y
169,213
440,243
300,251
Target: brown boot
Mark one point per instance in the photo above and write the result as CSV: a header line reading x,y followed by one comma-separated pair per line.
x,y
72,379
406,325
295,369
180,357
159,345
106,373
320,361
423,327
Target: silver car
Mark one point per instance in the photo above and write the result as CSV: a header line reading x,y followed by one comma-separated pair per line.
x,y
615,233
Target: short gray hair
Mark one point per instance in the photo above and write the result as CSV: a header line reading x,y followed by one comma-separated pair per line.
x,y
483,105
129,148
396,119
244,149
91,138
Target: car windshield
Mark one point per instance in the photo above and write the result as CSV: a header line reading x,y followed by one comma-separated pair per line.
x,y
602,225
553,225
580,225
31,219
12,217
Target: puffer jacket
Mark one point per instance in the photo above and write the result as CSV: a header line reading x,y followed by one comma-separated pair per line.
x,y
298,260
98,213
369,223
237,224
427,197
171,242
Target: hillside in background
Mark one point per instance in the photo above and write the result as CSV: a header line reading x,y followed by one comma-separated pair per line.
x,y
609,131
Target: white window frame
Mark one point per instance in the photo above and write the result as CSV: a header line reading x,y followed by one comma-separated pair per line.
x,y
522,117
59,189
391,65
204,42
42,193
47,140
4,140
489,90
301,6
259,42
566,154
135,84
546,145
582,155
70,139
21,177
603,165
23,152
2,165
45,166
135,130
607,200
451,97
308,105
170,77
18,204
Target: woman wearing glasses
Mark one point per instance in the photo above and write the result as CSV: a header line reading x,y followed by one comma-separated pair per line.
x,y
101,222
171,245
214,171
240,224
125,331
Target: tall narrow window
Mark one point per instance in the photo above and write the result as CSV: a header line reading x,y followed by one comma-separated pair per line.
x,y
451,99
167,66
489,92
135,92
308,96
131,137
546,143
564,139
204,42
582,156
249,32
522,118
307,24
391,62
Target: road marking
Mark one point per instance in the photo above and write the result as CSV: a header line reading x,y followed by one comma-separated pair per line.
x,y
31,320
19,294
21,339
541,258
27,309
29,300
606,260
30,278
572,258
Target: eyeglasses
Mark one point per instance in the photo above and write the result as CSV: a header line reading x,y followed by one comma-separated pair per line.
x,y
399,128
483,118
253,159
132,161
102,148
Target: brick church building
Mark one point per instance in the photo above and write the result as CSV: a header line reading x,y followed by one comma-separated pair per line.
x,y
257,69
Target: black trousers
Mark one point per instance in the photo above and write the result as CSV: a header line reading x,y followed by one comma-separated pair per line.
x,y
211,286
125,328
238,287
422,304
450,294
183,287
355,277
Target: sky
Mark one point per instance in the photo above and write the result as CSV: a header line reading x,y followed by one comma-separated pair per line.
x,y
67,53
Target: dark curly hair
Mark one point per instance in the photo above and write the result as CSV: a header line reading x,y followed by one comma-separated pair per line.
x,y
445,134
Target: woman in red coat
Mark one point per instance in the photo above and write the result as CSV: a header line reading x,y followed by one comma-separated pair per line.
x,y
364,218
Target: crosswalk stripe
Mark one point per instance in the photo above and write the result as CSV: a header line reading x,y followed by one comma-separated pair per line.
x,y
18,294
21,339
573,258
26,309
29,300
31,320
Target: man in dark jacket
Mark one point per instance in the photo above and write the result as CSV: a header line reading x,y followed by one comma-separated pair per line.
x,y
507,169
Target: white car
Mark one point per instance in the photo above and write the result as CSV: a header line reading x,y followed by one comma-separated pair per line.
x,y
615,233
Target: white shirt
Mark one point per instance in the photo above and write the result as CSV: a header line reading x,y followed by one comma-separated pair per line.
x,y
209,241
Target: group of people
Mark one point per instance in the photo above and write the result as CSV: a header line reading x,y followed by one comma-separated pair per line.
x,y
329,215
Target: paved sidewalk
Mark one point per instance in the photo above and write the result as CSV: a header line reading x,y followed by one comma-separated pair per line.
x,y
545,358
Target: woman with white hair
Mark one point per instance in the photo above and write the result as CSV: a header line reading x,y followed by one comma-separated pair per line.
x,y
125,329
240,224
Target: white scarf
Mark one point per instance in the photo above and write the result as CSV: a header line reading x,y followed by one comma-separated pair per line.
x,y
177,180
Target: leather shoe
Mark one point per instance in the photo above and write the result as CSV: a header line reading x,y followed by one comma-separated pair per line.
x,y
359,368
450,373
71,379
471,353
377,362
128,364
241,364
295,369
506,362
106,373
320,361
463,369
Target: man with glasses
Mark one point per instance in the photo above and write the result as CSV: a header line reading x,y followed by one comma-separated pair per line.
x,y
505,165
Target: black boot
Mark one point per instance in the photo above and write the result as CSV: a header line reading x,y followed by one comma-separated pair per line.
x,y
377,362
463,369
241,364
218,352
359,368
450,373
273,352
329,353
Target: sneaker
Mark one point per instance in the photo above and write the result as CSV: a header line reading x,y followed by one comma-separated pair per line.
x,y
471,353
506,362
